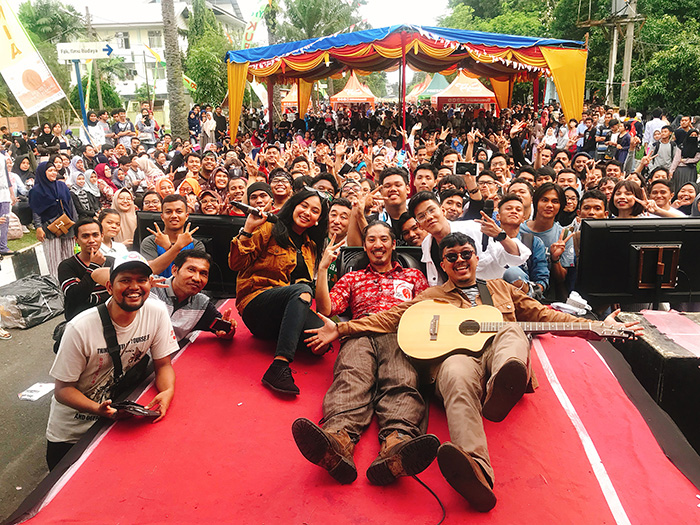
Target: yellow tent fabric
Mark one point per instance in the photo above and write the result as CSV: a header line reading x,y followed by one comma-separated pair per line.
x,y
503,89
304,96
237,74
568,67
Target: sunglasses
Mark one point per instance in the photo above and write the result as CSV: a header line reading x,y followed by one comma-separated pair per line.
x,y
323,195
453,257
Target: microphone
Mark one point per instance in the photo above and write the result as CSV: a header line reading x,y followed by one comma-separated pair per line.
x,y
271,217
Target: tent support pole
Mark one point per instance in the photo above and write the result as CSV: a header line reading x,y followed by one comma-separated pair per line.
x,y
403,78
536,92
270,109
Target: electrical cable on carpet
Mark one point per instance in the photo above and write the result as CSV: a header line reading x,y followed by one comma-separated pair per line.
x,y
444,512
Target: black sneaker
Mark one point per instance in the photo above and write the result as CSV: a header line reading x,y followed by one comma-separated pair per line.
x,y
279,378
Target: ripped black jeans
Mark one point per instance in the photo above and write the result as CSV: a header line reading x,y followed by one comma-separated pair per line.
x,y
280,313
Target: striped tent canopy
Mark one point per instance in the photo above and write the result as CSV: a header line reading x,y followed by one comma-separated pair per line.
x,y
503,59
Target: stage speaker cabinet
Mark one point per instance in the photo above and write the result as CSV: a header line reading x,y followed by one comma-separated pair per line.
x,y
668,372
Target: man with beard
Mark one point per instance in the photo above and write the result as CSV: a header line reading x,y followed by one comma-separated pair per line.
x,y
190,310
367,369
87,368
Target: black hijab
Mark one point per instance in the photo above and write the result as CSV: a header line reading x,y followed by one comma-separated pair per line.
x,y
690,144
49,199
23,174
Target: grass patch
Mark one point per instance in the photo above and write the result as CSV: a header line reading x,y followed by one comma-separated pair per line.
x,y
28,239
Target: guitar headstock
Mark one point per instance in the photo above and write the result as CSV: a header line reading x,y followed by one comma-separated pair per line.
x,y
608,332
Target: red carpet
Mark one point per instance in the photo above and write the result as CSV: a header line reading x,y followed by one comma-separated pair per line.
x,y
225,454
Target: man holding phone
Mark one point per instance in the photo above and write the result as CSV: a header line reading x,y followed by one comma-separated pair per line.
x,y
189,309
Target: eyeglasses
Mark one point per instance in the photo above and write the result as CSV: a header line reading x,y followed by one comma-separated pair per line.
x,y
464,254
279,180
432,211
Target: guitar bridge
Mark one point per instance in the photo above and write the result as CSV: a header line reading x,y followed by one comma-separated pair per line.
x,y
434,324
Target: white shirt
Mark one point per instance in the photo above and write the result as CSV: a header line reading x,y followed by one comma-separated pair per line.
x,y
83,359
492,262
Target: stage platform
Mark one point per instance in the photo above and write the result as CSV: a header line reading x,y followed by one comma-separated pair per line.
x,y
577,451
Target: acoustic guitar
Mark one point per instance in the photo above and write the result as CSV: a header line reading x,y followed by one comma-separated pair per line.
x,y
434,329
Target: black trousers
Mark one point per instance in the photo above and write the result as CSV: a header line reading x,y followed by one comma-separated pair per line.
x,y
280,313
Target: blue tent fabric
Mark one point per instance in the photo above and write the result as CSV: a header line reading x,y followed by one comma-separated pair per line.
x,y
373,35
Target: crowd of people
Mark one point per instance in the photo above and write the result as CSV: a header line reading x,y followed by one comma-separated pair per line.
x,y
498,198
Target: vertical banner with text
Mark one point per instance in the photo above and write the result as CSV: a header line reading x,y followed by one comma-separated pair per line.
x,y
22,67
255,19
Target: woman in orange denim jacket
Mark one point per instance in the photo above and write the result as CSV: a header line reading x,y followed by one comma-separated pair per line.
x,y
274,289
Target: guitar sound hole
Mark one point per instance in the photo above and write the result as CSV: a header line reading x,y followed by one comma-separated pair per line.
x,y
469,328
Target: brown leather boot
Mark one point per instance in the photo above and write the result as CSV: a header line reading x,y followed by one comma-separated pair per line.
x,y
466,476
505,390
329,450
402,455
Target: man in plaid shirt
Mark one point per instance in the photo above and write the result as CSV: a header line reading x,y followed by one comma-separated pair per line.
x,y
371,375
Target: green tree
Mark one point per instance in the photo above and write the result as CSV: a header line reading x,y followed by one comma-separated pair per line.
x,y
51,20
673,81
113,68
305,19
205,64
480,8
110,98
200,24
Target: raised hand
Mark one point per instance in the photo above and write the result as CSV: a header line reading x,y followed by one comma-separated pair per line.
x,y
185,237
556,249
488,225
330,254
161,238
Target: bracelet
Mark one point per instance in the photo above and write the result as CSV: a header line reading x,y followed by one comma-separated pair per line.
x,y
245,233
552,260
474,191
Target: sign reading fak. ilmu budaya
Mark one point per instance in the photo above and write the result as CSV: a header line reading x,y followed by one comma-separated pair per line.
x,y
83,50
22,67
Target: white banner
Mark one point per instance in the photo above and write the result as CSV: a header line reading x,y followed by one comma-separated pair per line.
x,y
22,67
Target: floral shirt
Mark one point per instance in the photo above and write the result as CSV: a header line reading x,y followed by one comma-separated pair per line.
x,y
368,291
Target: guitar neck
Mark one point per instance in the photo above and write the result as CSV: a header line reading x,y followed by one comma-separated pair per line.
x,y
542,328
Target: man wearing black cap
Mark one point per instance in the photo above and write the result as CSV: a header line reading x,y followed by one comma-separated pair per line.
x,y
84,368
259,194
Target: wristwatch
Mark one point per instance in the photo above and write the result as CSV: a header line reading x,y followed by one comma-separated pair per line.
x,y
501,236
244,233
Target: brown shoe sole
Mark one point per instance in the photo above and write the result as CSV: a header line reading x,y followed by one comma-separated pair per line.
x,y
409,458
464,474
508,387
317,447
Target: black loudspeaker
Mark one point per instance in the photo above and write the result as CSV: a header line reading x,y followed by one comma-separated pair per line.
x,y
669,373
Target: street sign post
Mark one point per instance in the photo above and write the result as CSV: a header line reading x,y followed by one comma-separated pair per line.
x,y
83,50
77,51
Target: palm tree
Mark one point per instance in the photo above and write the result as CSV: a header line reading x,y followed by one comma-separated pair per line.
x,y
176,95
316,18
51,20
305,19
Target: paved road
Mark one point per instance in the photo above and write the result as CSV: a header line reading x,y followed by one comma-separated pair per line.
x,y
24,360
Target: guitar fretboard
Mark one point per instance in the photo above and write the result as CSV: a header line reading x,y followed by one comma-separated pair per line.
x,y
539,327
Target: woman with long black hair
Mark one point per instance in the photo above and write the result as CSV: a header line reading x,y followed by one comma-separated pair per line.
x,y
275,264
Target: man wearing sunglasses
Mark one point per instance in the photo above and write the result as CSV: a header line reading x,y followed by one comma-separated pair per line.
x,y
499,375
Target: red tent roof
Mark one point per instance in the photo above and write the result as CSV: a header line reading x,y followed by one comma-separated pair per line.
x,y
464,90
